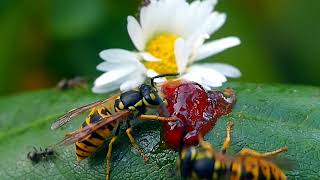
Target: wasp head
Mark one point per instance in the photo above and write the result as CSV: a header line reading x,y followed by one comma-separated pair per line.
x,y
150,95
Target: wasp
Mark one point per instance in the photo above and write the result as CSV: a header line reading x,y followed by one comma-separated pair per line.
x,y
37,155
105,118
206,163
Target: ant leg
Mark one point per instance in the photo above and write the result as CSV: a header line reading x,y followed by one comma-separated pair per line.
x,y
227,140
35,149
144,117
109,153
133,143
250,152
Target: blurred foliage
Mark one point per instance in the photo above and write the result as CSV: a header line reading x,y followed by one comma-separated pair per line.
x,y
45,41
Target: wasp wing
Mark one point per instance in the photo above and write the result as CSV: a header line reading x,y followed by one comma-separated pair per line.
x,y
283,162
77,111
84,132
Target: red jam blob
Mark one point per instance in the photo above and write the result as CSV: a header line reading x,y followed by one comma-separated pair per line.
x,y
196,109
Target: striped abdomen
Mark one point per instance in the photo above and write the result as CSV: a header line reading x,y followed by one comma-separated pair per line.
x,y
249,167
90,144
200,164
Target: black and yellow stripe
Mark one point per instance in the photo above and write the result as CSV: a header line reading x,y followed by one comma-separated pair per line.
x,y
250,167
90,144
201,164
197,163
206,163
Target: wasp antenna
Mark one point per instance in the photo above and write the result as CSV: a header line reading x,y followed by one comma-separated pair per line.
x,y
160,76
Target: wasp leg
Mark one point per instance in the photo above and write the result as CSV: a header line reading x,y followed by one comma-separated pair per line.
x,y
144,117
69,134
132,141
108,157
227,140
109,153
207,146
251,152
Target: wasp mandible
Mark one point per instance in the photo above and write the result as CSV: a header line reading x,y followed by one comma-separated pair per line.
x,y
206,163
105,117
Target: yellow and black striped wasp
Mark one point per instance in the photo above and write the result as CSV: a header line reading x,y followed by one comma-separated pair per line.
x,y
106,115
206,163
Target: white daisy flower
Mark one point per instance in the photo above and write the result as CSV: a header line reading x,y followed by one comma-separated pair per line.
x,y
169,37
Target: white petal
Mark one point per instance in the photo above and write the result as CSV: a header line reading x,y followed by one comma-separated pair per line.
x,y
216,46
181,52
149,57
195,17
225,69
205,76
112,76
213,76
132,83
106,88
151,73
118,56
108,66
214,22
180,19
163,16
207,87
148,16
211,3
135,33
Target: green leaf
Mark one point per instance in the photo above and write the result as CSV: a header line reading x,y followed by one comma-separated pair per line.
x,y
266,117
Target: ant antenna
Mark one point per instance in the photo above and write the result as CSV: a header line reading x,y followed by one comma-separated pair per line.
x,y
160,76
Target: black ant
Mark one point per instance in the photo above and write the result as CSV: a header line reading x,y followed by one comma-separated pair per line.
x,y
36,156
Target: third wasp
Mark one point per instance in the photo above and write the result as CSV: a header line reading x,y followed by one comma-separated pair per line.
x,y
206,163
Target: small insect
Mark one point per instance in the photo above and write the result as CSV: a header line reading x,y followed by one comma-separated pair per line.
x,y
77,82
206,163
38,155
105,117
196,109
145,3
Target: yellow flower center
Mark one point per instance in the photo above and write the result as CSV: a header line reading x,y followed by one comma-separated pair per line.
x,y
162,47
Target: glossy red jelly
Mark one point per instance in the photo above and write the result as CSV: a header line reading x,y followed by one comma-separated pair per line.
x,y
196,109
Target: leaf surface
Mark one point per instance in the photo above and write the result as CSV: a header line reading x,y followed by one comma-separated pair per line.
x,y
266,117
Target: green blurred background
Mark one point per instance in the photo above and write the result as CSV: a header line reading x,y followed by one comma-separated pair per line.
x,y
43,41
